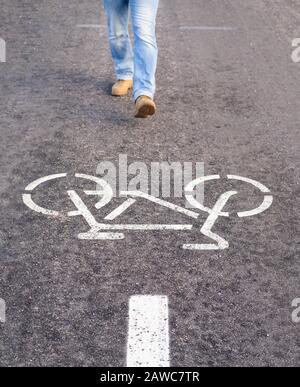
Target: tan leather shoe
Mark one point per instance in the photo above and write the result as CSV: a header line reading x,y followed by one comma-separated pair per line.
x,y
145,107
121,88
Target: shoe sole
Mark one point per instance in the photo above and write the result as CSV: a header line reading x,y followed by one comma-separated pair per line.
x,y
145,111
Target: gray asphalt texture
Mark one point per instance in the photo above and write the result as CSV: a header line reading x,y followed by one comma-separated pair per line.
x,y
229,99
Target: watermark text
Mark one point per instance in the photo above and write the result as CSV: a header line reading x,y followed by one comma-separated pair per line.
x,y
158,179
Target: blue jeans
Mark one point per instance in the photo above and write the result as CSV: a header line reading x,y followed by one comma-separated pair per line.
x,y
138,64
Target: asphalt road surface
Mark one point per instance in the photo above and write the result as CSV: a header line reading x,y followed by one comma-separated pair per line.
x,y
228,96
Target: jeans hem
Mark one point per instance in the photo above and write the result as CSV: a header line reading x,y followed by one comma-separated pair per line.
x,y
139,93
124,77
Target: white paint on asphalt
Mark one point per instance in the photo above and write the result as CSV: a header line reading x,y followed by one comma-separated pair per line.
x,y
296,311
208,225
82,209
27,199
2,311
190,195
268,200
265,205
108,231
296,52
106,191
161,202
42,180
255,183
148,333
119,210
97,228
2,51
96,234
101,232
145,227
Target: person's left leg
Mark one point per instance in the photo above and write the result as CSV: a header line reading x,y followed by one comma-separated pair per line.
x,y
143,15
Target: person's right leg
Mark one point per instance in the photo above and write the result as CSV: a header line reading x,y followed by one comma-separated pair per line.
x,y
117,15
143,14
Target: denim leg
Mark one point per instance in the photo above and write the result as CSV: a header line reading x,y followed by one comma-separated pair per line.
x,y
117,15
143,14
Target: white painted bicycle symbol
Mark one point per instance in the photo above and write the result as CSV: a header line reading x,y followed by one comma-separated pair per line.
x,y
109,231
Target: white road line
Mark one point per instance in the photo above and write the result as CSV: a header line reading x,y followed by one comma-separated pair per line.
x,y
99,227
2,51
150,227
2,311
207,28
101,231
94,235
148,334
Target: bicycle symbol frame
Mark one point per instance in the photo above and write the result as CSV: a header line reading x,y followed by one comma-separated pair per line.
x,y
109,231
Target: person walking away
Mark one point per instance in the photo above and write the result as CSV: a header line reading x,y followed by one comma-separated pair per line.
x,y
135,67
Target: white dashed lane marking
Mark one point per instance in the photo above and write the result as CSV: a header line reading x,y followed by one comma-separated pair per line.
x,y
148,334
2,311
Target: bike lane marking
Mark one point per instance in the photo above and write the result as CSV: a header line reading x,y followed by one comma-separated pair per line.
x,y
122,208
268,199
148,332
108,231
216,211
